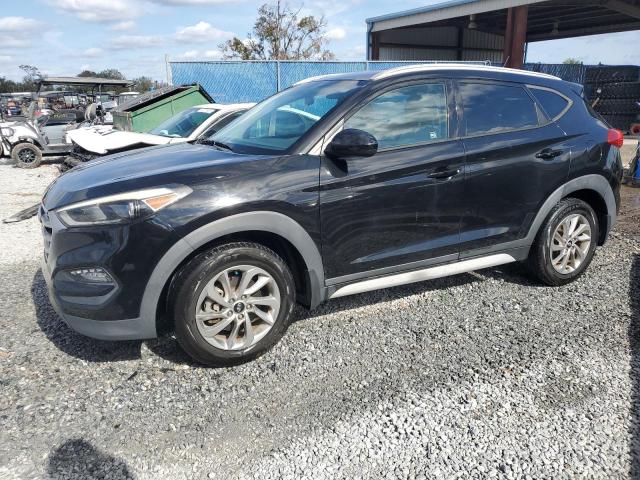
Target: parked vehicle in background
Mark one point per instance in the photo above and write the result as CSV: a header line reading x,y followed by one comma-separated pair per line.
x,y
188,125
28,141
13,108
388,178
126,96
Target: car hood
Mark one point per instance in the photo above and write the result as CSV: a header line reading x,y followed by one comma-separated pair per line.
x,y
146,168
102,141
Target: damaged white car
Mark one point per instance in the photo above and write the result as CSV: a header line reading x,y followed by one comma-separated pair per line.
x,y
188,125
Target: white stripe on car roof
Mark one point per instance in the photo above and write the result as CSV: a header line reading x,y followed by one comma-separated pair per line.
x,y
426,68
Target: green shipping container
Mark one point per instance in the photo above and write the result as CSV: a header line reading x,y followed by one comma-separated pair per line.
x,y
149,110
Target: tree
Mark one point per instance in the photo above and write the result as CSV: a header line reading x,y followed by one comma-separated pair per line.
x,y
31,77
142,84
280,33
111,73
7,86
572,61
87,73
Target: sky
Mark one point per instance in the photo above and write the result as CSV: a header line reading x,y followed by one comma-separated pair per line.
x,y
64,37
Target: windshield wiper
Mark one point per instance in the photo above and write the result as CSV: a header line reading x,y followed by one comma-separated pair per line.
x,y
215,143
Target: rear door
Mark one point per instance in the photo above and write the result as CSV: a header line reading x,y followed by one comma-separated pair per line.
x,y
403,205
516,156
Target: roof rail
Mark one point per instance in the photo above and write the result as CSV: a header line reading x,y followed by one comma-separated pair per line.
x,y
429,67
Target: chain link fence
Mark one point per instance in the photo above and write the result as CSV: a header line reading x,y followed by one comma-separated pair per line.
x,y
252,81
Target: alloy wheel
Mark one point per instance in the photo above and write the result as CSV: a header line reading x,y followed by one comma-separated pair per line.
x,y
238,307
26,155
570,243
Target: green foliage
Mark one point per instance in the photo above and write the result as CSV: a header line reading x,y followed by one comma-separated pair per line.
x,y
142,84
111,73
280,33
572,61
87,73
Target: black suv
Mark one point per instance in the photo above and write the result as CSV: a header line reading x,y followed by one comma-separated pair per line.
x,y
338,185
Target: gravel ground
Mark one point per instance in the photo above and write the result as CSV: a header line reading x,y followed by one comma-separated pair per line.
x,y
475,376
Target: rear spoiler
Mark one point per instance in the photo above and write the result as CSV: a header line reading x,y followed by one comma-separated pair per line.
x,y
577,88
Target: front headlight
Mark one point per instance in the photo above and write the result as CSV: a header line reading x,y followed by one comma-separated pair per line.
x,y
8,132
121,208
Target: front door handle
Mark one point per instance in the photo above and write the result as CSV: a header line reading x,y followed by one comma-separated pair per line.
x,y
444,174
549,154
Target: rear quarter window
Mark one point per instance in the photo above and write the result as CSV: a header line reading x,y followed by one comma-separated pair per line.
x,y
552,103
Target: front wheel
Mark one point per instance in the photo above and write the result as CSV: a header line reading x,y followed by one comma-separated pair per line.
x,y
565,244
232,303
26,155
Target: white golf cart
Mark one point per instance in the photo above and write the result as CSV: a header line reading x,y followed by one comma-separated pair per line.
x,y
27,141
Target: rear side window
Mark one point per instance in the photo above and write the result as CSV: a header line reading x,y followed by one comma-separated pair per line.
x,y
405,116
552,103
490,108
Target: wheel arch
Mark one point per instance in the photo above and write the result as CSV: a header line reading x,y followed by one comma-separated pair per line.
x,y
33,141
593,189
277,231
599,206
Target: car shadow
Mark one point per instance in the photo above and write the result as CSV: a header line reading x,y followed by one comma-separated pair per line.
x,y
385,295
634,344
77,458
516,273
167,348
70,342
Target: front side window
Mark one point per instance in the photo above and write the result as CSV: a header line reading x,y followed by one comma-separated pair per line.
x,y
218,125
490,108
406,116
274,125
184,123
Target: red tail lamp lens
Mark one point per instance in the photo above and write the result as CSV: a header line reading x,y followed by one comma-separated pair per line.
x,y
615,138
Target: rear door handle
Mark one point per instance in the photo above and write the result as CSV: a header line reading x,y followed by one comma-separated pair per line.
x,y
549,154
444,174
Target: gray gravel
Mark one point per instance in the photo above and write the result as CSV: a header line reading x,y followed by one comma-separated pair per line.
x,y
476,376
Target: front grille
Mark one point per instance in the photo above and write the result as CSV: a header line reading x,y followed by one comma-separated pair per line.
x,y
43,216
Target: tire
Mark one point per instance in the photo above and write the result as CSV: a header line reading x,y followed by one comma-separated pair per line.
x,y
26,155
541,258
207,271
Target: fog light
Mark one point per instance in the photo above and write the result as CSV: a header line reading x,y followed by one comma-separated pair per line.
x,y
91,275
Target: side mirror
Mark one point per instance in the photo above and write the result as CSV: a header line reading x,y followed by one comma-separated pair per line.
x,y
352,143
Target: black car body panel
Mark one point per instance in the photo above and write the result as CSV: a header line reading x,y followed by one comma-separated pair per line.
x,y
432,203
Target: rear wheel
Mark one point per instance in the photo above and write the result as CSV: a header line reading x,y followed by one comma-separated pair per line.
x,y
232,303
26,155
565,244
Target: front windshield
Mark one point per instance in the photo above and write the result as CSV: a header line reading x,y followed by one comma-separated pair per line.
x,y
184,123
274,125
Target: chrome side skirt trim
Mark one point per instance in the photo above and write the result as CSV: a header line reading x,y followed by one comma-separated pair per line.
x,y
424,274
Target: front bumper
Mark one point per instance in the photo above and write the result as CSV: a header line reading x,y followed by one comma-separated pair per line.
x,y
127,329
94,312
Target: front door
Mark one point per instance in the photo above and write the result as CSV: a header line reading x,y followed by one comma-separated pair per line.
x,y
401,208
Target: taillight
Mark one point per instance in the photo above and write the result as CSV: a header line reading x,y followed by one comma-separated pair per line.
x,y
615,138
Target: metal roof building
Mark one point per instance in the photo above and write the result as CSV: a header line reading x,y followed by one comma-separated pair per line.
x,y
496,30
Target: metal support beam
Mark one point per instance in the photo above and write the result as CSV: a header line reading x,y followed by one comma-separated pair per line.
x,y
623,7
583,32
508,38
375,46
519,36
